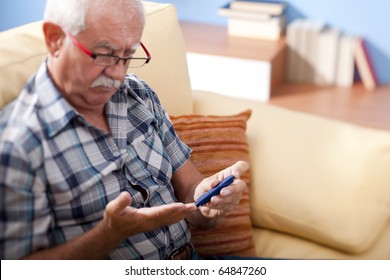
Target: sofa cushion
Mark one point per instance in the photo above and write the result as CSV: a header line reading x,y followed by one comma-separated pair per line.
x,y
217,142
320,179
273,244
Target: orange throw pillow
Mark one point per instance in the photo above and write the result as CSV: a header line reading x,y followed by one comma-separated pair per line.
x,y
218,142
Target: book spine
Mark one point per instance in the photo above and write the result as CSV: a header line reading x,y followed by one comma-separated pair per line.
x,y
327,56
293,59
365,66
271,7
345,62
261,29
227,12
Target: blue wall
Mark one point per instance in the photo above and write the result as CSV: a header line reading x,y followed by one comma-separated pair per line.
x,y
18,12
369,19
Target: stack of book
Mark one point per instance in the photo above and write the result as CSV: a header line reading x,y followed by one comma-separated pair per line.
x,y
324,56
259,19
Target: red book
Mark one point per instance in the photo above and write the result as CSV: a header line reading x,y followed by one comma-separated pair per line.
x,y
365,66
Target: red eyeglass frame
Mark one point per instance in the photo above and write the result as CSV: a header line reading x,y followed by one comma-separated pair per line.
x,y
93,55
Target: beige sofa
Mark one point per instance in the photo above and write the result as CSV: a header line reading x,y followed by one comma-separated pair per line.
x,y
319,188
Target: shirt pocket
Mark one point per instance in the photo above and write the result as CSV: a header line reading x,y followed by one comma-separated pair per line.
x,y
149,165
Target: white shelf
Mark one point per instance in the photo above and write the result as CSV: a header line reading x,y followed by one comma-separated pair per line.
x,y
233,66
236,77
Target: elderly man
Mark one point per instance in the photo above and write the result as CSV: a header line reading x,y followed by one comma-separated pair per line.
x,y
90,165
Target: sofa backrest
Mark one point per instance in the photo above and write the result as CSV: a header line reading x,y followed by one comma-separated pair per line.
x,y
167,72
23,49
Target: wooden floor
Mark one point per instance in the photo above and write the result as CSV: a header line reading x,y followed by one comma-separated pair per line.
x,y
354,105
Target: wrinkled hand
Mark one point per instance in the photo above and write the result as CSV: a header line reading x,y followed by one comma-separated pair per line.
x,y
222,204
123,221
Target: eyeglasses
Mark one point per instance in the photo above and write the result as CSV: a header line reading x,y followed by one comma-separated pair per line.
x,y
109,60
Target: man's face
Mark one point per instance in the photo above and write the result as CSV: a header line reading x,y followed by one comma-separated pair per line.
x,y
78,78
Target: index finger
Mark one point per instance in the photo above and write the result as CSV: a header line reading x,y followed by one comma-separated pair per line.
x,y
239,168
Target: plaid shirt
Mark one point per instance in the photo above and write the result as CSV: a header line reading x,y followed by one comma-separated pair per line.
x,y
57,172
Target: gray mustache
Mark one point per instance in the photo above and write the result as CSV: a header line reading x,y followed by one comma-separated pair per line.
x,y
104,81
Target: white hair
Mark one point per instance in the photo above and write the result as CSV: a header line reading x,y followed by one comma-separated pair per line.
x,y
71,14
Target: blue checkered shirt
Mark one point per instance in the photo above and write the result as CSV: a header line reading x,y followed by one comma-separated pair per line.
x,y
57,172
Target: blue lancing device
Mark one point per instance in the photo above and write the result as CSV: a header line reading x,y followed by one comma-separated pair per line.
x,y
214,191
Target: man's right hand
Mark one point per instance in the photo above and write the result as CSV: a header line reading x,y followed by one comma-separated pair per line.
x,y
120,221
123,221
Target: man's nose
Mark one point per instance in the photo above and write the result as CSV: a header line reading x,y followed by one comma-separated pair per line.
x,y
117,71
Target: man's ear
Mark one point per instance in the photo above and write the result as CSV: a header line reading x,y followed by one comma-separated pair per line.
x,y
54,37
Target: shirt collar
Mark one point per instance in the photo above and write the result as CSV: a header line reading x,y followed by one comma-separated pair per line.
x,y
53,108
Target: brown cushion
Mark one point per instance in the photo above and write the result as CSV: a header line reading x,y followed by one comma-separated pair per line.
x,y
218,142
